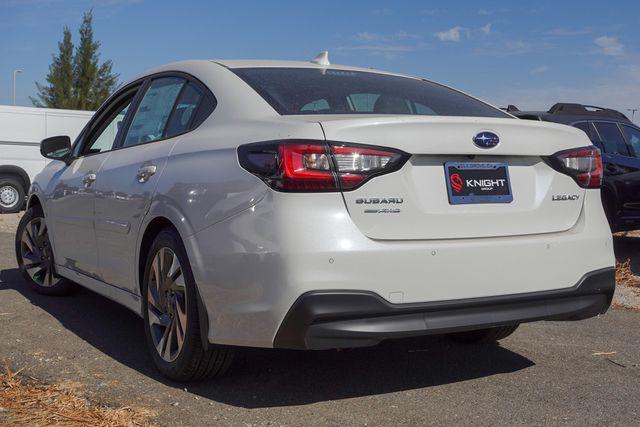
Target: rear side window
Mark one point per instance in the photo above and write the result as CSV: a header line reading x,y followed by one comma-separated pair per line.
x,y
184,111
611,138
330,91
206,107
153,112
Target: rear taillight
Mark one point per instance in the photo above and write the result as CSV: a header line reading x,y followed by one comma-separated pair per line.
x,y
314,166
584,165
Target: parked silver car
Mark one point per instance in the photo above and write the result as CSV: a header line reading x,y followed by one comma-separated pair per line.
x,y
310,206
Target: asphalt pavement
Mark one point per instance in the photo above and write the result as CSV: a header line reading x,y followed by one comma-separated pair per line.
x,y
546,373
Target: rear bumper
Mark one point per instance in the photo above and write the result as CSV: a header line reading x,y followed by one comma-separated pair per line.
x,y
342,319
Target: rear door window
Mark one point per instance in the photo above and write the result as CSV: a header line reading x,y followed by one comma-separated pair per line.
x,y
152,115
611,137
633,139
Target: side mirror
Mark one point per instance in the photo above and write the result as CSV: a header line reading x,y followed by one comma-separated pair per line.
x,y
56,148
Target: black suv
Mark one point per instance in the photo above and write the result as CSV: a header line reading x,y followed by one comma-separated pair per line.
x,y
619,140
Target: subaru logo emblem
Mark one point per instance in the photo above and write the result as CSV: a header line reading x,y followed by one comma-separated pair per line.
x,y
486,140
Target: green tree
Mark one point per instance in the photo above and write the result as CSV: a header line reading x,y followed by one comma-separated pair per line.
x,y
77,80
59,91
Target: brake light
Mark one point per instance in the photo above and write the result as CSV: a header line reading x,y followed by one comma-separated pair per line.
x,y
315,166
584,165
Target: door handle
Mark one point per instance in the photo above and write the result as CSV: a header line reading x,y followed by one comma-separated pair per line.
x,y
89,179
145,172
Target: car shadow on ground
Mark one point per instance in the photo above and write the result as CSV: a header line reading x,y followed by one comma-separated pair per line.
x,y
270,378
627,247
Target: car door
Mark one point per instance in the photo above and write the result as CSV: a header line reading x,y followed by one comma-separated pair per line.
x,y
631,204
71,199
620,166
128,178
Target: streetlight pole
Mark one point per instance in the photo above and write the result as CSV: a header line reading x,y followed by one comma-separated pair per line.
x,y
633,112
15,72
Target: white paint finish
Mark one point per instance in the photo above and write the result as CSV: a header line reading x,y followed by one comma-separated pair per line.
x,y
122,202
396,297
70,206
122,297
322,59
236,100
203,180
451,135
253,266
427,214
255,251
253,63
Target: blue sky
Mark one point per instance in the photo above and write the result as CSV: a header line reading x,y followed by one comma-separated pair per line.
x,y
531,53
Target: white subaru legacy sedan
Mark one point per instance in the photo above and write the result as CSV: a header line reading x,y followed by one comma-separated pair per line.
x,y
305,205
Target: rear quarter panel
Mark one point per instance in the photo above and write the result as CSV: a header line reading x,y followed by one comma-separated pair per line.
x,y
203,183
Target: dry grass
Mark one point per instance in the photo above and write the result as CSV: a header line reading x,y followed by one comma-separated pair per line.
x,y
625,276
634,233
37,404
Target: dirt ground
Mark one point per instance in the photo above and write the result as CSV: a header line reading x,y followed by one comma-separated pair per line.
x,y
9,222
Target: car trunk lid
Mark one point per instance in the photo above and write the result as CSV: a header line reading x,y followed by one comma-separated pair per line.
x,y
414,202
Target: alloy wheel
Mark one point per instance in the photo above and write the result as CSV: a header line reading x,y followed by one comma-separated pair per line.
x,y
37,257
167,304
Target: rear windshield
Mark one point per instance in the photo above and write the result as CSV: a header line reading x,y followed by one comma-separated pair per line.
x,y
317,91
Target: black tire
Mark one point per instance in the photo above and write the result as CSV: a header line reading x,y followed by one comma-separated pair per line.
x,y
12,194
191,362
484,336
28,255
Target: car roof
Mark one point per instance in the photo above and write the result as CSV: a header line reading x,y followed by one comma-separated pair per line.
x,y
568,113
236,95
266,63
567,119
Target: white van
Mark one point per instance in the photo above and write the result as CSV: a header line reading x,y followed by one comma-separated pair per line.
x,y
21,130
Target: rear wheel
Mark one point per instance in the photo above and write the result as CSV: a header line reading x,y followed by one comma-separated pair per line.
x,y
11,194
35,255
484,336
171,318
